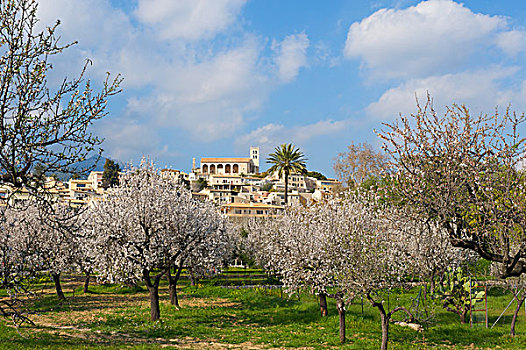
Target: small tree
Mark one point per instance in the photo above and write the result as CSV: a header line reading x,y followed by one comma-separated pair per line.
x,y
296,247
286,160
428,248
455,292
149,223
360,163
56,243
110,176
50,232
16,255
330,248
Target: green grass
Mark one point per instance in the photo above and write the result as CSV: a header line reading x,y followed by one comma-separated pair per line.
x,y
115,317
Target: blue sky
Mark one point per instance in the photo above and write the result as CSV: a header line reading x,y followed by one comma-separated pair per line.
x,y
210,78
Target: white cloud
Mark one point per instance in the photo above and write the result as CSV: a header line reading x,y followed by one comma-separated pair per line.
x,y
102,33
191,20
480,90
426,39
291,55
512,42
175,76
271,135
209,99
127,139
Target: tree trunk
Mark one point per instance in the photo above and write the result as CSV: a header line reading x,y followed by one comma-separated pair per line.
x,y
432,284
462,315
86,283
174,300
153,288
155,311
286,187
193,280
323,305
172,286
340,305
385,330
58,287
385,322
516,313
385,317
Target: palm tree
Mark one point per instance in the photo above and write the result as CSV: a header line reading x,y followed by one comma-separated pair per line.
x,y
287,159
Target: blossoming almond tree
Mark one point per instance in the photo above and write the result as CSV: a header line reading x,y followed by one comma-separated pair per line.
x,y
310,247
212,248
347,247
207,259
15,256
44,128
149,223
44,239
464,172
54,239
293,246
426,245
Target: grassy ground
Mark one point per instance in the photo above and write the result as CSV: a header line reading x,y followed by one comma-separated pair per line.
x,y
216,318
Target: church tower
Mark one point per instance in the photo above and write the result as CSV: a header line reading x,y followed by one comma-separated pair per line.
x,y
254,155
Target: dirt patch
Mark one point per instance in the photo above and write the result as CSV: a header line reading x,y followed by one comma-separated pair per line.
x,y
208,303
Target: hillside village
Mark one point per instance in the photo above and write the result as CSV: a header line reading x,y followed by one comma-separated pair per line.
x,y
234,184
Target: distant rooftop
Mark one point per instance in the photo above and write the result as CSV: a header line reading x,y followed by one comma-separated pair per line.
x,y
225,160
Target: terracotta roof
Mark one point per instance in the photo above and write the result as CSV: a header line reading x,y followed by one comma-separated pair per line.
x,y
225,160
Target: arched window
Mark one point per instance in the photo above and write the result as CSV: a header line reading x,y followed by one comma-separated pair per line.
x,y
212,169
205,169
220,169
227,169
235,169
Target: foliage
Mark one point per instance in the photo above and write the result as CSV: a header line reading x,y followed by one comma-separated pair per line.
x,y
286,160
201,183
455,292
110,176
267,187
317,175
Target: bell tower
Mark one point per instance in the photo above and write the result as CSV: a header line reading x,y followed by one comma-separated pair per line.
x,y
254,155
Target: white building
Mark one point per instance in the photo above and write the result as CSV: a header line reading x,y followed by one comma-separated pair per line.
x,y
232,166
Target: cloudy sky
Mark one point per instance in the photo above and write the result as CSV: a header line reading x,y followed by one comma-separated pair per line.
x,y
210,78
